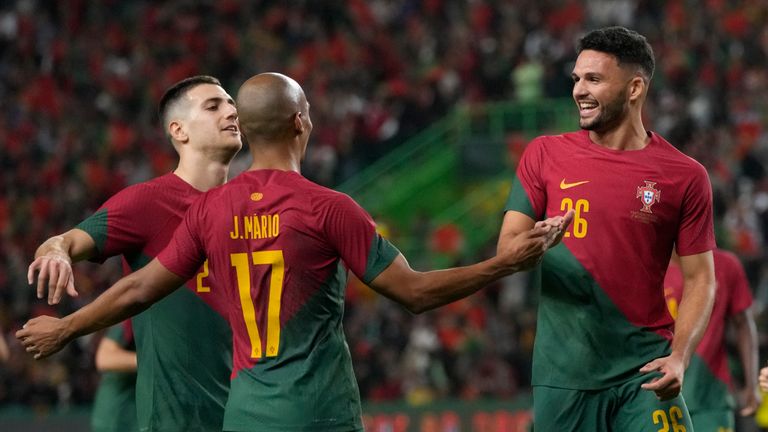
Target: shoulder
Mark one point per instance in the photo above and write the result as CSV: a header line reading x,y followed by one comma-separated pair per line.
x,y
674,156
138,195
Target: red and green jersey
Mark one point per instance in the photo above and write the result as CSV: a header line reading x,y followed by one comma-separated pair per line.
x,y
182,344
280,247
707,379
602,313
114,407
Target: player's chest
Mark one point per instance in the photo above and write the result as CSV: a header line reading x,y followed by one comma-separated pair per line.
x,y
612,193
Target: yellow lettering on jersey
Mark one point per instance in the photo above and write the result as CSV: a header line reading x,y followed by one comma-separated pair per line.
x,y
275,225
252,227
235,233
256,227
248,231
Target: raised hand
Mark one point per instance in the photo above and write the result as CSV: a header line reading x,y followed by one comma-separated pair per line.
x,y
56,270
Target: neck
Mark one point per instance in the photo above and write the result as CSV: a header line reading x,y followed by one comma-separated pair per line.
x,y
629,135
202,173
277,156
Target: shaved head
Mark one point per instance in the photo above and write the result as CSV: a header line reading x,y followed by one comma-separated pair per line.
x,y
267,104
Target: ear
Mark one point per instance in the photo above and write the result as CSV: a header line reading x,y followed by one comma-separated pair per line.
x,y
298,124
177,132
636,88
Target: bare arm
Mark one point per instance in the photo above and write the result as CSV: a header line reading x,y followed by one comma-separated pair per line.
x,y
746,341
5,353
132,294
421,291
53,262
514,223
111,357
693,316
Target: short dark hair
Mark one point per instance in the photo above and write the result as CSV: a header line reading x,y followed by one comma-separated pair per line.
x,y
173,94
628,46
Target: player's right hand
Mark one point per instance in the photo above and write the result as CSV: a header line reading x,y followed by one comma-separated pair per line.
x,y
56,270
43,336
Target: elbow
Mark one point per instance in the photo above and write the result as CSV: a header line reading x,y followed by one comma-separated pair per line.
x,y
417,301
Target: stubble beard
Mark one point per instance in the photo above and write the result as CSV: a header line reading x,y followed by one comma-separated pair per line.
x,y
610,116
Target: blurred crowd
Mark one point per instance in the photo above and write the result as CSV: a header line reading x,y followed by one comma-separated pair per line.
x,y
80,82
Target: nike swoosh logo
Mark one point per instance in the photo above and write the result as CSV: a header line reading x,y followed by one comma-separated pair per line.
x,y
564,185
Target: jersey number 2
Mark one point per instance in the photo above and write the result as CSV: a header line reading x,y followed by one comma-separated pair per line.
x,y
243,270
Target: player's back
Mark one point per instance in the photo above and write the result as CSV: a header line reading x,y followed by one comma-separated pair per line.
x,y
273,241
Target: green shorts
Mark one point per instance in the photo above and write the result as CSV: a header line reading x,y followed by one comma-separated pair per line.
x,y
623,408
715,420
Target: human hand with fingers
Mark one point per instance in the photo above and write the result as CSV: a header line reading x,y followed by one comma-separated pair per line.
x,y
668,386
43,336
55,270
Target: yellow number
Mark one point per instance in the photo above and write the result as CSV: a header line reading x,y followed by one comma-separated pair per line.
x,y
660,416
579,224
202,275
672,306
243,270
675,414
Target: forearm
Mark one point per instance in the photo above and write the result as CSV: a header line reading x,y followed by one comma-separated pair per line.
x,y
746,341
126,298
73,245
693,316
429,290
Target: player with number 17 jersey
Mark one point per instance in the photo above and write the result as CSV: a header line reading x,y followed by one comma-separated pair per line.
x,y
279,247
602,313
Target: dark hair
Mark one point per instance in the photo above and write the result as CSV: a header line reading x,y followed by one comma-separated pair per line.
x,y
628,46
173,94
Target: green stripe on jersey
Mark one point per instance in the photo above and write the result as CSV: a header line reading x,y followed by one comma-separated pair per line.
x,y
518,200
380,256
310,385
96,226
583,341
702,390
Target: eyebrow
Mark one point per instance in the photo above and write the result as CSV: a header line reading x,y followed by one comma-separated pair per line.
x,y
219,99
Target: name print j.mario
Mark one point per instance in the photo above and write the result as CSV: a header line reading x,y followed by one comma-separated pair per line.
x,y
255,226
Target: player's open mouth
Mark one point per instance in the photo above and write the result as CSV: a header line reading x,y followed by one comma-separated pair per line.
x,y
231,128
587,108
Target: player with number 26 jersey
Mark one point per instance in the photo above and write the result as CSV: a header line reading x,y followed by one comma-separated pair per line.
x,y
288,244
602,313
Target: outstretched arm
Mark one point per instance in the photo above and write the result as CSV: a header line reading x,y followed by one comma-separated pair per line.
x,y
692,318
53,262
422,291
44,335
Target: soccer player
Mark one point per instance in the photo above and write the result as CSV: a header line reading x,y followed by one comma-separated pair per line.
x,y
114,407
279,247
707,379
605,356
182,383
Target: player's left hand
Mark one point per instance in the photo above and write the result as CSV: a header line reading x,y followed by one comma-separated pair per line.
x,y
670,383
43,336
750,399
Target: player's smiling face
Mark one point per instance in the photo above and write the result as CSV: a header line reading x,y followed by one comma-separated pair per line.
x,y
212,122
600,89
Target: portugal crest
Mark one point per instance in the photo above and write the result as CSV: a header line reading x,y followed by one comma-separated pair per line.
x,y
649,195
